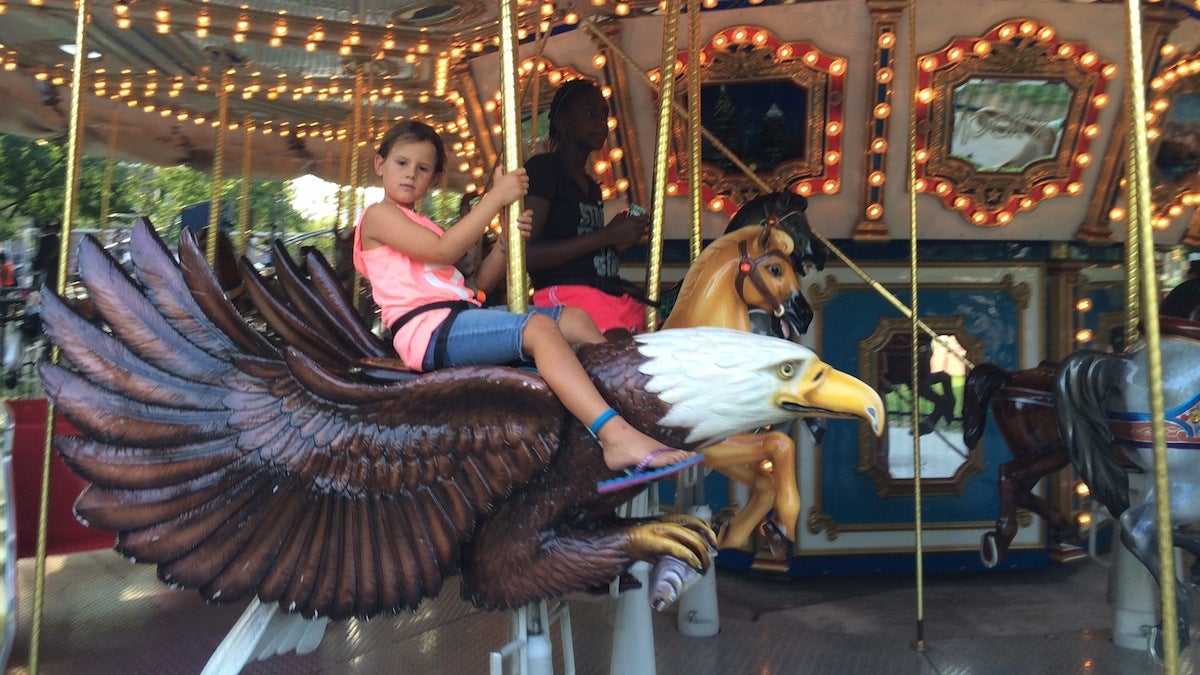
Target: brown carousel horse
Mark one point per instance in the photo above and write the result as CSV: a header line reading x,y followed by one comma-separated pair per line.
x,y
750,270
1022,404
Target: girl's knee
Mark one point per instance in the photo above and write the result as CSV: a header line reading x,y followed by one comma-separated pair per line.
x,y
578,325
539,325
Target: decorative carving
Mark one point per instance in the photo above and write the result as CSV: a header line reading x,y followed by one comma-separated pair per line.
x,y
818,521
1005,120
753,85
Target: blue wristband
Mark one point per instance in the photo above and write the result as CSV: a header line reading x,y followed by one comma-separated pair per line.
x,y
603,419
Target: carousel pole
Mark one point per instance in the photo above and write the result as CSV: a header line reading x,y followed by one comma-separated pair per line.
x,y
244,212
918,553
699,613
70,199
353,165
218,172
1140,214
510,121
662,154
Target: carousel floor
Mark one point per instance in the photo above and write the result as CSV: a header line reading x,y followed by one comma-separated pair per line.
x,y
104,615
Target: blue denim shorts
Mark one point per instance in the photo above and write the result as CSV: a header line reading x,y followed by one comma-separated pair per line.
x,y
485,337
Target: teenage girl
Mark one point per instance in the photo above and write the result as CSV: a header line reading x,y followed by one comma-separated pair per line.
x,y
436,320
572,255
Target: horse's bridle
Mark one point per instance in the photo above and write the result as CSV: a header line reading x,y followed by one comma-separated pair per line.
x,y
748,269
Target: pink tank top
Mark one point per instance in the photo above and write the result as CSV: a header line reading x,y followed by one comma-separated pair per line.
x,y
401,284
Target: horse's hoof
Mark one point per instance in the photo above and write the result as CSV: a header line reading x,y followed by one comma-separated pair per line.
x,y
988,553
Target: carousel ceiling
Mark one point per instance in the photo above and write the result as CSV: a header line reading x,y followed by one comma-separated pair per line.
x,y
292,70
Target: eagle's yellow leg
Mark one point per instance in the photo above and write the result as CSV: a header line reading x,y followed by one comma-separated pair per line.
x,y
650,541
742,457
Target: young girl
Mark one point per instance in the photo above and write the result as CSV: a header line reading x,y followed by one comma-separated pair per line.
x,y
572,255
435,318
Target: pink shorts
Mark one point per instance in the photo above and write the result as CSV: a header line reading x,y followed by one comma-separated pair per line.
x,y
608,311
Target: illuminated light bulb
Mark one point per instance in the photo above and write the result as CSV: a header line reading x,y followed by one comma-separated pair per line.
x,y
804,190
876,178
882,111
884,75
886,40
344,50
1028,27
201,32
162,15
1004,217
830,187
623,184
1084,519
622,9
922,155
606,91
616,154
1092,130
1152,134
1082,489
310,46
811,58
317,34
1083,159
942,189
784,52
599,60
759,39
874,212
612,123
1175,210
925,95
919,185
1074,188
1109,71
1049,190
837,67
1116,213
1083,335
243,24
601,166
162,28
929,64
834,128
879,145
672,189
979,217
1007,31
239,37
1100,101
954,53
739,35
123,22
982,48
716,204
275,41
961,202
833,157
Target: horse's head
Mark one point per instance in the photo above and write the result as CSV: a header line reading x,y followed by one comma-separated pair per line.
x,y
785,213
765,278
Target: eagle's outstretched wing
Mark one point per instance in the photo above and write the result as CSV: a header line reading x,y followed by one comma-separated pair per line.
x,y
241,464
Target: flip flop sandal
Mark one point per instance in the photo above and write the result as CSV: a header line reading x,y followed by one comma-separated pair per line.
x,y
640,474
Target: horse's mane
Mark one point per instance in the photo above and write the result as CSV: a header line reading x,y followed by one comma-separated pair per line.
x,y
983,381
1081,383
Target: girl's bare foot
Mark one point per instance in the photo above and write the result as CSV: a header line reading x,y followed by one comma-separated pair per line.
x,y
626,447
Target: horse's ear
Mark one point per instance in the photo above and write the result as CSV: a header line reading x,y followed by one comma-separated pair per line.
x,y
770,222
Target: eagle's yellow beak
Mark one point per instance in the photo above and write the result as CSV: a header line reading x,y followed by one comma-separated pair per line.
x,y
826,392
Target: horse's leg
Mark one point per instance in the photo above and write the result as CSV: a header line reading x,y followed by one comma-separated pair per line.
x,y
1139,533
1190,542
740,457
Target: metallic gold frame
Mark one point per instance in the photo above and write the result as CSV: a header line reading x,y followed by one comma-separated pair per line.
x,y
1017,49
1172,196
872,461
748,54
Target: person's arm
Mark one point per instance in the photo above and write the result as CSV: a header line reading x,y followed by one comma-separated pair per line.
x,y
385,223
621,232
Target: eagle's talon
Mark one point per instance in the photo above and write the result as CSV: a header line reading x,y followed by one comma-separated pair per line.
x,y
693,523
653,540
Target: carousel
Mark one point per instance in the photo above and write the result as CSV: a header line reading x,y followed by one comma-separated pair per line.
x,y
917,289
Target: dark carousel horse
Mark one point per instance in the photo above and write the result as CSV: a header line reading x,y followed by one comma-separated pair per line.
x,y
1022,403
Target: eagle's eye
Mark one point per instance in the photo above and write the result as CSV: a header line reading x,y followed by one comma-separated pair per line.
x,y
787,370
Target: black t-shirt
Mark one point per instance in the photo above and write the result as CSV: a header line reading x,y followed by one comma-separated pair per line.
x,y
572,213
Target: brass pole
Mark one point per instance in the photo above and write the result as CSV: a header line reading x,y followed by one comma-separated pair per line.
x,y
919,552
1140,211
510,121
70,207
244,212
352,161
693,127
218,172
662,150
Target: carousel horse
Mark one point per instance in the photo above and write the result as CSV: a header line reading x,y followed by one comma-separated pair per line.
x,y
754,267
1022,404
289,463
1101,401
895,370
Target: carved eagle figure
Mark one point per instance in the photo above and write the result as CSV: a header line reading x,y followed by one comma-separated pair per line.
x,y
274,461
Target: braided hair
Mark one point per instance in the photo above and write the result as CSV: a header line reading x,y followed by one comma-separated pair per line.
x,y
563,96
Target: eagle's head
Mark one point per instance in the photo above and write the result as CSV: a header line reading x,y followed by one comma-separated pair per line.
x,y
716,382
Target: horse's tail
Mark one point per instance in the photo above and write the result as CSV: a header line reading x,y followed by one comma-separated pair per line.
x,y
1081,384
983,381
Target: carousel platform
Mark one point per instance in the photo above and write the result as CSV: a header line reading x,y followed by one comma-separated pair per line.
x,y
104,615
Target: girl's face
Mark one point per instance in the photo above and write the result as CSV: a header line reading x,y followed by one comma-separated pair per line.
x,y
584,119
408,171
